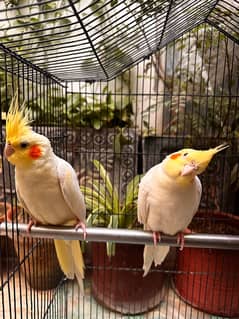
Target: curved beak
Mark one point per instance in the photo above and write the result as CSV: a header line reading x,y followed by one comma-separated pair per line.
x,y
189,169
8,150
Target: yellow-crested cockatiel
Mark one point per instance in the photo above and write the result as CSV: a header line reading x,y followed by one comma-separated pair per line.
x,y
169,196
47,186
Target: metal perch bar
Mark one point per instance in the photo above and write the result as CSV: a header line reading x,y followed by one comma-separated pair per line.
x,y
101,234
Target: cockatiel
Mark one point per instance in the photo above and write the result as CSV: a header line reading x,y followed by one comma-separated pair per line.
x,y
169,196
47,186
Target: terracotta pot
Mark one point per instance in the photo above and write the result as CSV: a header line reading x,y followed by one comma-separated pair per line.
x,y
209,278
39,262
118,282
8,256
37,258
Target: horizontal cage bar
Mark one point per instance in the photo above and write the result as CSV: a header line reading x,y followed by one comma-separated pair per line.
x,y
101,234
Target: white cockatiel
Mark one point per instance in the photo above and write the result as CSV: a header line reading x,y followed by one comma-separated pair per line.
x,y
47,187
169,196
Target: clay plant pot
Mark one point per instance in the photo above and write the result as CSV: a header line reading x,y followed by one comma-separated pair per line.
x,y
118,282
37,259
39,262
8,256
208,279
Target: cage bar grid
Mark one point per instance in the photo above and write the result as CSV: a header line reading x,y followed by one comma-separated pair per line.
x,y
102,40
70,59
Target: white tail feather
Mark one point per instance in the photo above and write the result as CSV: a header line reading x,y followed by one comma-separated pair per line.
x,y
155,254
78,264
71,260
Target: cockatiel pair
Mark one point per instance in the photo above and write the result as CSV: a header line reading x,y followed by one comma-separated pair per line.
x,y
48,189
47,186
169,196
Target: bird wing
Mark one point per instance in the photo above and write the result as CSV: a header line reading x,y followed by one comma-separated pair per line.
x,y
199,194
70,189
22,202
143,207
20,199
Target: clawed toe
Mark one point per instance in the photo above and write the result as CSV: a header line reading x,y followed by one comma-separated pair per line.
x,y
81,225
156,237
180,238
30,224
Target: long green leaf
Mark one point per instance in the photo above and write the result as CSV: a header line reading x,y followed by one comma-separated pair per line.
x,y
132,190
98,187
89,220
89,192
110,249
110,246
95,198
96,220
129,208
112,192
94,204
104,175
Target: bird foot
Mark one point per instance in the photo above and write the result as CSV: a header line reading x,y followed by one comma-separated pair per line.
x,y
180,237
156,237
81,225
30,224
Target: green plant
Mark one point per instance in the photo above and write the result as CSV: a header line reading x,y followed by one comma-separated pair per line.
x,y
51,113
105,206
99,113
202,100
30,18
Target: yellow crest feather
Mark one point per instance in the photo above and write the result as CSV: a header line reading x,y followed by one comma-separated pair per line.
x,y
17,121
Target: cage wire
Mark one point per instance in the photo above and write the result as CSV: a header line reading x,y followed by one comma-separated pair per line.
x,y
122,84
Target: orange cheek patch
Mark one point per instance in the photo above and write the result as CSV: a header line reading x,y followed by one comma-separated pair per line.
x,y
175,155
35,152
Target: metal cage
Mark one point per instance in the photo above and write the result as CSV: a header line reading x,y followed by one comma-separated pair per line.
x,y
123,83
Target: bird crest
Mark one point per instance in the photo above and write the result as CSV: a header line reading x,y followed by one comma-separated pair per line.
x,y
17,121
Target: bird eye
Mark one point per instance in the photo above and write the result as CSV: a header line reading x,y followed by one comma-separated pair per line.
x,y
185,154
24,145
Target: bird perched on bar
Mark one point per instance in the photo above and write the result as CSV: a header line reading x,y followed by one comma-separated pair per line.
x,y
47,186
169,196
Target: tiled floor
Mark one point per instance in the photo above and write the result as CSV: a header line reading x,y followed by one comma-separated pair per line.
x,y
19,301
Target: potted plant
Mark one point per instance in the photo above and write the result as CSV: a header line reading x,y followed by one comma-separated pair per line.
x,y
117,278
208,279
32,255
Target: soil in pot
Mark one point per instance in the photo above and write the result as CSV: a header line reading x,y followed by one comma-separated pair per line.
x,y
118,282
208,279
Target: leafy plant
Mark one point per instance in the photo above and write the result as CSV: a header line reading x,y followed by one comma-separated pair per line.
x,y
99,113
30,18
202,102
105,206
52,113
7,81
